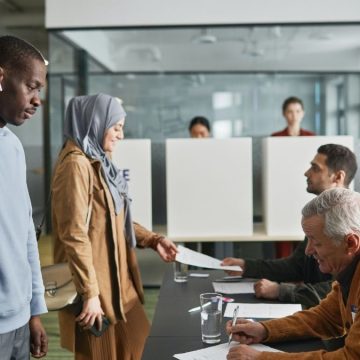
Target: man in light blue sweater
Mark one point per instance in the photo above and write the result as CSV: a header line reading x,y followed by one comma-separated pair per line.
x,y
22,75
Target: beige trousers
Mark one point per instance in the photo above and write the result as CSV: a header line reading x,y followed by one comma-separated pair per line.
x,y
122,341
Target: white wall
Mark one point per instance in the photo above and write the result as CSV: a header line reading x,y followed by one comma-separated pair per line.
x,y
209,187
285,161
105,13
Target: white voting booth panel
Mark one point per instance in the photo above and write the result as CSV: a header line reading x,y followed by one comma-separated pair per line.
x,y
133,157
285,160
209,187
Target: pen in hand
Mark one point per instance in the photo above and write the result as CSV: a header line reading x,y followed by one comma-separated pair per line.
x,y
236,311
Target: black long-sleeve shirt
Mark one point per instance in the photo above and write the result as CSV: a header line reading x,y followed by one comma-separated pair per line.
x,y
298,267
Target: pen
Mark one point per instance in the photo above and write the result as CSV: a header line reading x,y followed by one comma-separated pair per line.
x,y
199,307
224,299
236,310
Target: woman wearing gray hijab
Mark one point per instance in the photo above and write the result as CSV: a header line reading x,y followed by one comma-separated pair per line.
x,y
94,232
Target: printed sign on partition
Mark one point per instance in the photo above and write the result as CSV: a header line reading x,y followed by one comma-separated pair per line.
x,y
133,157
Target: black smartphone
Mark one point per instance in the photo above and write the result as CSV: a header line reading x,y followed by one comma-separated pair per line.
x,y
77,308
105,324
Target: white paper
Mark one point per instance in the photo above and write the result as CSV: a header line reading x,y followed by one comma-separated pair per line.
x,y
234,288
218,352
191,257
262,310
199,275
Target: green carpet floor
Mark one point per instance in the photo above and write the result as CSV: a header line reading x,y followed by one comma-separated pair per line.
x,y
51,325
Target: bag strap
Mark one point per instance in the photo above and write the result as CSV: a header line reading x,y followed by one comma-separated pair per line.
x,y
38,229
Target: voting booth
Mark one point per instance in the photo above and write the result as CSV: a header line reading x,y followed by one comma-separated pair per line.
x,y
209,187
285,160
133,157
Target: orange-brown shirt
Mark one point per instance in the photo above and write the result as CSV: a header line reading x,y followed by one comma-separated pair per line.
x,y
331,318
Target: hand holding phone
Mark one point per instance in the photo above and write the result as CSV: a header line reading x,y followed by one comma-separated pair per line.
x,y
87,310
105,324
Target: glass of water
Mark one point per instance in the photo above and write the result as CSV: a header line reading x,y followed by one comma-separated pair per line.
x,y
180,272
211,317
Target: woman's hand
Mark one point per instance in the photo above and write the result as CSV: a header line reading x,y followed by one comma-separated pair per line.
x,y
91,313
166,249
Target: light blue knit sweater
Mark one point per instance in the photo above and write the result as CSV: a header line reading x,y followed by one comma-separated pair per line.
x,y
21,287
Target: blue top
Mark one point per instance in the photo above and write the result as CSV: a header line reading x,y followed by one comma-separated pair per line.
x,y
21,286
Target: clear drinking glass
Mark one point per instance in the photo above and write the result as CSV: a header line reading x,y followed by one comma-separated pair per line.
x,y
180,272
211,317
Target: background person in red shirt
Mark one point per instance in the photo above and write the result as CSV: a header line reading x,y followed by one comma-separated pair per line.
x,y
293,112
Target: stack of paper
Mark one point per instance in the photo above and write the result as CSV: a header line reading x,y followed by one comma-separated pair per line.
x,y
259,310
218,352
234,288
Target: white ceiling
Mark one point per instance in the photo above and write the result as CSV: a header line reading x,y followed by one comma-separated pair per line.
x,y
324,48
25,19
321,48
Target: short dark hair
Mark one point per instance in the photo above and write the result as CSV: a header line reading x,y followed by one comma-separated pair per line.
x,y
292,100
339,157
199,120
15,52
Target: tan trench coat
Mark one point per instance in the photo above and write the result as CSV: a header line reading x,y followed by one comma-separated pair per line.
x,y
91,249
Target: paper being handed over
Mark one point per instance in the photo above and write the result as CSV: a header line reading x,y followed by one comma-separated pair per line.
x,y
191,257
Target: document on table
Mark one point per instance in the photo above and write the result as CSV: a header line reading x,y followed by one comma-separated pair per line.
x,y
234,288
191,257
218,352
261,310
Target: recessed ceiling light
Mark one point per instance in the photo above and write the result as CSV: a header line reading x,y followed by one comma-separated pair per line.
x,y
205,37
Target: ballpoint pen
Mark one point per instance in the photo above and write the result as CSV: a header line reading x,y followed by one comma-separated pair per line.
x,y
199,307
224,299
236,310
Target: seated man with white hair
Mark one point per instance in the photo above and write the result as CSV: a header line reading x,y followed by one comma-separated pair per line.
x,y
331,223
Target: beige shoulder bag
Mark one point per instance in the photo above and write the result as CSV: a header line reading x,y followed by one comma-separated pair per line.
x,y
60,289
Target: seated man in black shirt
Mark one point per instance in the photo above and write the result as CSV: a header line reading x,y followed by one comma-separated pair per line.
x,y
333,166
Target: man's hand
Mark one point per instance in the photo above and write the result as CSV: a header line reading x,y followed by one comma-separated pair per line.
x,y
91,312
166,249
246,332
267,289
230,261
38,338
242,352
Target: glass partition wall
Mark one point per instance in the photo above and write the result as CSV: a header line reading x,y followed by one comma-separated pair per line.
x,y
237,77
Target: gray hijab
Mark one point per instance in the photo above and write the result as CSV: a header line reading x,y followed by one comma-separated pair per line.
x,y
86,121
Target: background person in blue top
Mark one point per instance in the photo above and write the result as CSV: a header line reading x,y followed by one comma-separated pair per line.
x,y
22,75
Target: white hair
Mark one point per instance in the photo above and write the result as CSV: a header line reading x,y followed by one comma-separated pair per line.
x,y
340,209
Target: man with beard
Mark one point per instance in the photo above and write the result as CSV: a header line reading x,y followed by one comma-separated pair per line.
x,y
333,166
